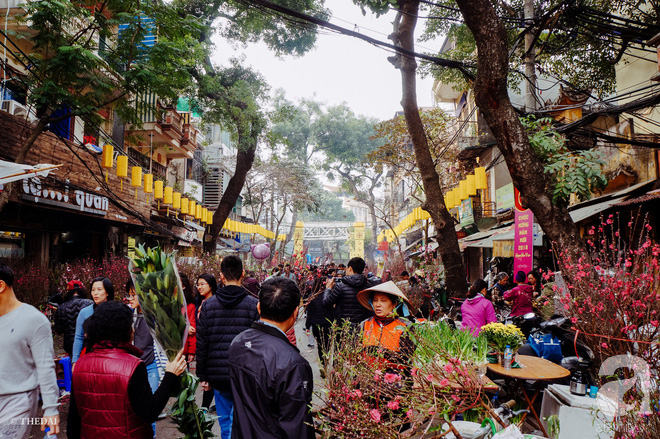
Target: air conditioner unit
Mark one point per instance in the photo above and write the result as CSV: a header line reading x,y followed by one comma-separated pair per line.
x,y
20,110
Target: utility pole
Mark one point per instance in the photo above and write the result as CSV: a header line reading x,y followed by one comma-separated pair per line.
x,y
530,67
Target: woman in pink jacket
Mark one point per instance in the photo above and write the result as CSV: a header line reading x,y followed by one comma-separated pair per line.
x,y
477,311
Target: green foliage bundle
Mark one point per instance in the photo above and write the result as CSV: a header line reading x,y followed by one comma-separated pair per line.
x,y
160,294
572,172
457,344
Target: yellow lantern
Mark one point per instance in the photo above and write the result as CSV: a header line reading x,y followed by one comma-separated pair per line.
x,y
184,205
205,215
106,158
122,169
462,187
457,196
192,205
158,190
209,218
481,180
148,183
198,212
176,200
471,185
136,178
449,200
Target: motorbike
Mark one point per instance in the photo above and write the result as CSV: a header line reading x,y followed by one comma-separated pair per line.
x,y
555,340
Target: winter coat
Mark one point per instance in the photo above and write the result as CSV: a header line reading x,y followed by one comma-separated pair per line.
x,y
344,297
318,313
272,386
477,312
100,386
521,296
223,316
65,320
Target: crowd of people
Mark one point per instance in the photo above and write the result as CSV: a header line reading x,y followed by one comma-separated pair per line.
x,y
479,307
241,344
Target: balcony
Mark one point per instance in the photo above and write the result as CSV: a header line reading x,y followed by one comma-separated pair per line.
x,y
163,131
159,171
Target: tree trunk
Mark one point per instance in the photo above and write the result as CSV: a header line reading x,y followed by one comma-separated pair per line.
x,y
244,160
492,98
450,254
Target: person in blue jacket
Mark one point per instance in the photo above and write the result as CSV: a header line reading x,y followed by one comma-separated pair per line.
x,y
101,290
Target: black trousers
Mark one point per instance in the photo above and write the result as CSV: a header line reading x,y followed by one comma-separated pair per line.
x,y
322,335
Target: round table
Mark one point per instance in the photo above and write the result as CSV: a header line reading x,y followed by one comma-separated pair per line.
x,y
533,369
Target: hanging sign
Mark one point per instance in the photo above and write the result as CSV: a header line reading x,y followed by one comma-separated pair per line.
x,y
523,250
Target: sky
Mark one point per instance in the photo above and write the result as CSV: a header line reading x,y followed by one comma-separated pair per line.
x,y
340,68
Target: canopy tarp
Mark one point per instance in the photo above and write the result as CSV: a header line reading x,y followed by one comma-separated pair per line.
x,y
10,171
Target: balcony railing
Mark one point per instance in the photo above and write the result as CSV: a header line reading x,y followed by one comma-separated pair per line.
x,y
159,171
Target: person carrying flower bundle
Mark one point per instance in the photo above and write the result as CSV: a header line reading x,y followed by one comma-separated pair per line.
x,y
385,334
113,398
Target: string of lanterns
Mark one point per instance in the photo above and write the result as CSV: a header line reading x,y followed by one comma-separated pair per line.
x,y
174,200
453,198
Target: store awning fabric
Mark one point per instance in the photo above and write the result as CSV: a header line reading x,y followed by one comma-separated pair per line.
x,y
10,171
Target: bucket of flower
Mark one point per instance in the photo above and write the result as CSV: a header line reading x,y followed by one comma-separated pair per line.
x,y
499,336
160,294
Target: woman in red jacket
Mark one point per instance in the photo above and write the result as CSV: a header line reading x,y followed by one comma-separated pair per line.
x,y
191,341
111,392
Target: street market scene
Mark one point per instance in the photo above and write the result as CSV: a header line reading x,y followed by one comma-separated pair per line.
x,y
256,219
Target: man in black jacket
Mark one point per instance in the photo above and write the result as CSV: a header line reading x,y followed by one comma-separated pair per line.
x,y
67,313
271,382
223,316
343,294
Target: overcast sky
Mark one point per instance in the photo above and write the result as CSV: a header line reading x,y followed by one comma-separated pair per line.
x,y
340,68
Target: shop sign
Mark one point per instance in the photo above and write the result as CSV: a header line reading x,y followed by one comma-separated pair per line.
x,y
523,257
185,234
504,198
503,249
466,213
82,201
131,247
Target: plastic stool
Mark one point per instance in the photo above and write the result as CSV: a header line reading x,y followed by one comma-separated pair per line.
x,y
65,362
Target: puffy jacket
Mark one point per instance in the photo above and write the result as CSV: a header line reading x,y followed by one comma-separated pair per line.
x,y
100,387
344,297
272,386
477,312
223,316
318,313
65,320
522,296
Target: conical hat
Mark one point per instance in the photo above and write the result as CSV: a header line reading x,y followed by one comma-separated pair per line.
x,y
387,288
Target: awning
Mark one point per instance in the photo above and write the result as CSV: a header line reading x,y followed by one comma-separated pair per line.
x,y
588,211
652,195
10,171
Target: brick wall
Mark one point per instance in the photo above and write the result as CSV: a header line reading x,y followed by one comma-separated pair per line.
x,y
50,149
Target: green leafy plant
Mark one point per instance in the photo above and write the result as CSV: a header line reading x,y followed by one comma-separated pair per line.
x,y
573,172
454,343
160,294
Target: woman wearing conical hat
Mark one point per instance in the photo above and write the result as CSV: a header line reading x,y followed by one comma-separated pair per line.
x,y
385,335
